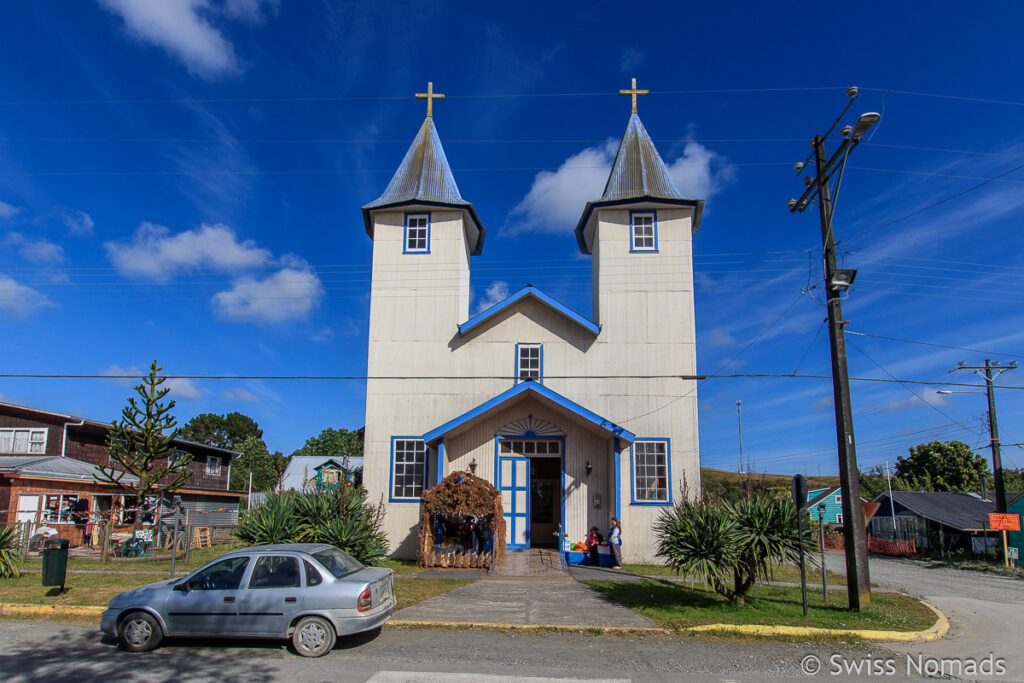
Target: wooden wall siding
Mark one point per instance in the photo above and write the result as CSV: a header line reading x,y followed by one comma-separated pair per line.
x,y
581,445
92,448
53,433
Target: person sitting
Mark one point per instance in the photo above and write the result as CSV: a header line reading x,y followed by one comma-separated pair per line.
x,y
593,543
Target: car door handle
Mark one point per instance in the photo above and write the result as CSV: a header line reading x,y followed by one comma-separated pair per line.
x,y
229,598
290,599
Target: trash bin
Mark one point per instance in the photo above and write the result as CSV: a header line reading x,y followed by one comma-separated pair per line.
x,y
55,561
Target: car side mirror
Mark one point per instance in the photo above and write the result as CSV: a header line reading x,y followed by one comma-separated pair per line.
x,y
183,586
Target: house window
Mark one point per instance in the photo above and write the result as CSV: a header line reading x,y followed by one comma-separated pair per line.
x,y
540,447
408,468
213,465
643,229
22,440
839,500
528,362
57,508
417,233
176,457
651,471
839,518
330,477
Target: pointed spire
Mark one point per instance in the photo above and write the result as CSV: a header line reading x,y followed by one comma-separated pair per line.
x,y
639,170
424,177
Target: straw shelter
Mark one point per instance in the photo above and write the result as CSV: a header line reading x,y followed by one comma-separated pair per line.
x,y
445,538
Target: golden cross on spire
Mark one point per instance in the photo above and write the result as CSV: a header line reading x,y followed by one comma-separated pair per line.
x,y
430,96
632,91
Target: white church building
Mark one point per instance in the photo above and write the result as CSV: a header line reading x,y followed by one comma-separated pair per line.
x,y
574,419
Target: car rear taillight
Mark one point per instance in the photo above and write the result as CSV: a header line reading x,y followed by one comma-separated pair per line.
x,y
365,600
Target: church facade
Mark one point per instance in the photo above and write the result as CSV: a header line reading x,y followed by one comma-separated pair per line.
x,y
574,419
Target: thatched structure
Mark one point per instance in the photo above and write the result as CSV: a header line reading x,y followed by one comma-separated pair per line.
x,y
457,496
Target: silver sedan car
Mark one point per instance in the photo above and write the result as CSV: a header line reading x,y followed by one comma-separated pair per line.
x,y
308,592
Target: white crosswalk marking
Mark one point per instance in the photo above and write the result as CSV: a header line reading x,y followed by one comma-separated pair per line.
x,y
445,677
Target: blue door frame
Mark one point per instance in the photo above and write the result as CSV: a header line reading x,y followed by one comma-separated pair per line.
x,y
516,480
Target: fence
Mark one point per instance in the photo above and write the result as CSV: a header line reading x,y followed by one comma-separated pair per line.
x,y
875,545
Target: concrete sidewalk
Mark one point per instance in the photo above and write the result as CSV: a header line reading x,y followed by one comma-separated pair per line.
x,y
525,602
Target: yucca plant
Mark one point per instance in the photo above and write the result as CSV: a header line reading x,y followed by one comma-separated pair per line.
x,y
730,547
10,563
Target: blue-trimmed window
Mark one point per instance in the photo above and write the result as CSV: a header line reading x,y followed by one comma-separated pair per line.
x,y
643,231
651,471
417,233
408,467
529,362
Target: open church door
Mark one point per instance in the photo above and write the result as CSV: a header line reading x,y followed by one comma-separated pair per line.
x,y
514,484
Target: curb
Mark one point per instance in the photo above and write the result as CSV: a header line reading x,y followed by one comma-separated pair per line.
x,y
936,631
14,608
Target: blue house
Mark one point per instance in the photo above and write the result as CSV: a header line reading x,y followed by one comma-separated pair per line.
x,y
833,501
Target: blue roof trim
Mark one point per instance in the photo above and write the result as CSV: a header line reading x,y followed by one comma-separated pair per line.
x,y
540,390
536,294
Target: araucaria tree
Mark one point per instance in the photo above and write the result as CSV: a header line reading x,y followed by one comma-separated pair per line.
x,y
142,444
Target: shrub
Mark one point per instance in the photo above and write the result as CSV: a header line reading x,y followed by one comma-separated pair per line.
x,y
341,516
732,546
10,563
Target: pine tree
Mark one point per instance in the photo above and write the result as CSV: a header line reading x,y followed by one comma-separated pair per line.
x,y
142,445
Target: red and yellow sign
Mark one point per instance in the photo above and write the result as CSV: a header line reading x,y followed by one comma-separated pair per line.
x,y
1004,522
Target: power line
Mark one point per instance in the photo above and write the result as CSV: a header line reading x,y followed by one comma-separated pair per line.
x,y
941,346
932,205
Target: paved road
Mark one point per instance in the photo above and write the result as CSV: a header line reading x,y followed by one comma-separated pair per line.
x,y
986,612
48,651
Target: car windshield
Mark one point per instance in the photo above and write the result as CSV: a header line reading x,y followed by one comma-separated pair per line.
x,y
337,561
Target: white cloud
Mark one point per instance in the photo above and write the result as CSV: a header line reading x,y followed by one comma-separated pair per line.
x,y
180,27
288,294
127,377
928,397
8,211
35,250
557,198
323,335
183,388
19,301
496,292
717,337
77,222
249,10
241,394
155,253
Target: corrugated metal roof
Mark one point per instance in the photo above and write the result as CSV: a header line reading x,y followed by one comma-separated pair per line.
x,y
962,511
53,467
638,170
424,177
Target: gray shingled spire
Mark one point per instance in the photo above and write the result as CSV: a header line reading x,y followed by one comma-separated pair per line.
x,y
638,170
639,175
424,177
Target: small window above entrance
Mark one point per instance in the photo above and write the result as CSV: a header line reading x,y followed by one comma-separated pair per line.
x,y
531,447
529,362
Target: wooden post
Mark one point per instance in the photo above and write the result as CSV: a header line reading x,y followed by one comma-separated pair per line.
x,y
1006,550
105,554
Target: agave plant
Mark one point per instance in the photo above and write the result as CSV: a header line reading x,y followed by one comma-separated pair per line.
x,y
342,517
271,522
10,563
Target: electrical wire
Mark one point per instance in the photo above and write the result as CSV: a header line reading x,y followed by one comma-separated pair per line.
x,y
941,346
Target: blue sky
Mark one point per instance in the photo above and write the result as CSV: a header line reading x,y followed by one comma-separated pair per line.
x,y
182,180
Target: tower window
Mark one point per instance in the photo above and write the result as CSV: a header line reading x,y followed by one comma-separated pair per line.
x,y
417,233
528,362
408,467
643,228
651,473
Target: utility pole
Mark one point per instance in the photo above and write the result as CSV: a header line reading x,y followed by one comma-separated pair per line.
x,y
858,582
739,425
989,372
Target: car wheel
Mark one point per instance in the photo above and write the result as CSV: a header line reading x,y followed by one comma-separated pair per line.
x,y
139,632
313,637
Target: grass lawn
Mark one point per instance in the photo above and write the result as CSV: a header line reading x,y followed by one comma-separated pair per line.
x,y
784,573
98,589
677,606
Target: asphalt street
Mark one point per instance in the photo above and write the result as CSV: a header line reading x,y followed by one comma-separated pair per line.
x,y
985,612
